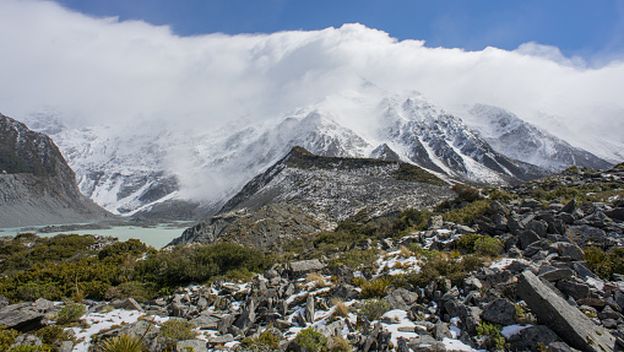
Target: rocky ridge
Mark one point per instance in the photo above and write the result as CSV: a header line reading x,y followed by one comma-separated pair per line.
x,y
304,193
36,184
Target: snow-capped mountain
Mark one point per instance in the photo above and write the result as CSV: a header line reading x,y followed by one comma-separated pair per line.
x,y
438,141
518,139
190,172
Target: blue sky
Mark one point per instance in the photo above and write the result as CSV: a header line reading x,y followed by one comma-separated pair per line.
x,y
578,27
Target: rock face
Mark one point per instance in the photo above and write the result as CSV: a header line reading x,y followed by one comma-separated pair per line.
x,y
36,184
567,321
310,192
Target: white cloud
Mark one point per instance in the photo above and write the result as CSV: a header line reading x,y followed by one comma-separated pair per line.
x,y
97,70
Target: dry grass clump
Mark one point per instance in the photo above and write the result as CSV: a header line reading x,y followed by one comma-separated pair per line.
x,y
317,279
341,309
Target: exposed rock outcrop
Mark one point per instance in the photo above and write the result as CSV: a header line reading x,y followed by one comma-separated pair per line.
x,y
36,184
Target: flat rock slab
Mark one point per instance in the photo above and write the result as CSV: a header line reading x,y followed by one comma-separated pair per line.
x,y
303,266
567,321
22,316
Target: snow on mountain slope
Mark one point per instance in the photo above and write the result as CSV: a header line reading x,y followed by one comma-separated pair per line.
x,y
430,137
168,169
607,147
510,135
131,173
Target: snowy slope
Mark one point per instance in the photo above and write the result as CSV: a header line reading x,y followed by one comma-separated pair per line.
x,y
516,138
170,169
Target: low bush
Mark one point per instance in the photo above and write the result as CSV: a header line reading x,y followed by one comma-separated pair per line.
x,y
177,330
70,313
467,214
73,268
605,264
7,338
134,289
373,309
265,342
123,343
54,335
480,244
310,340
375,288
494,339
439,267
356,259
340,309
339,344
198,264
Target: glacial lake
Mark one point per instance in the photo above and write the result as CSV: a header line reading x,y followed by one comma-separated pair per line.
x,y
157,236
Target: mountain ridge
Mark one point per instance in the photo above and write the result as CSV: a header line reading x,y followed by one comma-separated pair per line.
x,y
36,184
319,191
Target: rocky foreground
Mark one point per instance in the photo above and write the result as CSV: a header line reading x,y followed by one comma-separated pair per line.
x,y
526,274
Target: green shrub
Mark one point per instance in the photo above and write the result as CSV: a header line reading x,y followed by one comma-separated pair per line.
x,y
442,266
466,193
266,341
69,267
379,227
70,313
123,343
373,309
480,244
356,259
311,340
495,340
197,264
467,214
7,338
339,344
375,288
53,334
134,289
177,330
605,264
132,247
488,246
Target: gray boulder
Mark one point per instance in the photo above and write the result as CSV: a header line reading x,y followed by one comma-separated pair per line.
x,y
23,317
402,299
304,266
191,345
500,311
567,321
531,338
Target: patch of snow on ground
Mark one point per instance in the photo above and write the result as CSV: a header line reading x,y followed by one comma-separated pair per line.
x,y
400,317
510,330
454,328
456,345
98,322
597,283
503,263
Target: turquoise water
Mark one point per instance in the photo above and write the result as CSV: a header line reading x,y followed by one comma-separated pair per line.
x,y
157,236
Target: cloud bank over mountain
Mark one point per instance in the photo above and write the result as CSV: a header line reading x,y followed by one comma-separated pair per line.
x,y
105,71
